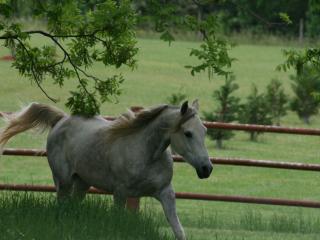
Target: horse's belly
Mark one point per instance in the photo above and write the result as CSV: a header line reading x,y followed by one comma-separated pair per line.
x,y
98,178
152,183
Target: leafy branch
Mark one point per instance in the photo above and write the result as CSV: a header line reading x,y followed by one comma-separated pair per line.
x,y
298,59
104,35
35,76
213,52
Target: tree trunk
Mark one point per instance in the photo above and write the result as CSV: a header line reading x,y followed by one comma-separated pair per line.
x,y
253,136
301,31
13,52
199,19
219,143
306,119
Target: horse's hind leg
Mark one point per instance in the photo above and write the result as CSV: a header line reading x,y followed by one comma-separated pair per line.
x,y
79,189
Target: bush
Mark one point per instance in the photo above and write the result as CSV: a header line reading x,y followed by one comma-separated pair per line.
x,y
177,98
226,111
277,100
304,86
255,111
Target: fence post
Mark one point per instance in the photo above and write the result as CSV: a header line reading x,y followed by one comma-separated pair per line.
x,y
133,204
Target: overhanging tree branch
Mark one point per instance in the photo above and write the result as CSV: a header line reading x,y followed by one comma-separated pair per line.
x,y
110,26
74,66
66,56
35,76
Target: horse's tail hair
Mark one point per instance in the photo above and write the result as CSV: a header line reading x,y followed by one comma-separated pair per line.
x,y
35,115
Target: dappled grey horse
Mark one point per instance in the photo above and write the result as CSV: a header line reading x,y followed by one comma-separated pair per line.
x,y
128,156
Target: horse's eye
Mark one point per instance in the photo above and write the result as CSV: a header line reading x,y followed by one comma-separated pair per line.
x,y
188,134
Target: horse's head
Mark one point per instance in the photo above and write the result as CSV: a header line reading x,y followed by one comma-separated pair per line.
x,y
188,139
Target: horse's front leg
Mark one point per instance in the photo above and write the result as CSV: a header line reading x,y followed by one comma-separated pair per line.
x,y
168,202
119,199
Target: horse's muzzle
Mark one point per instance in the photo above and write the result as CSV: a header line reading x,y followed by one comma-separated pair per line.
x,y
204,171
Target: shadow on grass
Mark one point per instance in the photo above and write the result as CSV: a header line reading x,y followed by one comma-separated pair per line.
x,y
38,216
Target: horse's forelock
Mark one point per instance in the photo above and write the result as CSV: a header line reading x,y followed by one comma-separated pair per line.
x,y
190,113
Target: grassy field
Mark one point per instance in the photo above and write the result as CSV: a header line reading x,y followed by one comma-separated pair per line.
x,y
160,73
38,216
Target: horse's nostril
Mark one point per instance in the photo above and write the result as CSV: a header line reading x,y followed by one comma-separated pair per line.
x,y
204,169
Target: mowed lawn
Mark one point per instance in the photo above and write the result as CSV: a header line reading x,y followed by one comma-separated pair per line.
x,y
160,73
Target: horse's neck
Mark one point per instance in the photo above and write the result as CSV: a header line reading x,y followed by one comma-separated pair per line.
x,y
158,135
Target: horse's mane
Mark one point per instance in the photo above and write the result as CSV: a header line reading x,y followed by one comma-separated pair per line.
x,y
131,122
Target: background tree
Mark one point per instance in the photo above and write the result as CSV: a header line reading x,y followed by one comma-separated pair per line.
x,y
265,17
226,110
255,111
313,18
277,100
304,85
177,98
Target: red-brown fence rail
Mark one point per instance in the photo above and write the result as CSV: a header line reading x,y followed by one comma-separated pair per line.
x,y
262,128
182,195
214,160
256,128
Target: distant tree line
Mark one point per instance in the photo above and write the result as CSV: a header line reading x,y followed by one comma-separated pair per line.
x,y
255,16
258,17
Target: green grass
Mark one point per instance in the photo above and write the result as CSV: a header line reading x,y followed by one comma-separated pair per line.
x,y
39,216
35,215
160,73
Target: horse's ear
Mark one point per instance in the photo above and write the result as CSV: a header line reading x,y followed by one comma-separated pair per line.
x,y
195,104
184,108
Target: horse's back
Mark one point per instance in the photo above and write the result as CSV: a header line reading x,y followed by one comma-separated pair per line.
x,y
75,129
70,140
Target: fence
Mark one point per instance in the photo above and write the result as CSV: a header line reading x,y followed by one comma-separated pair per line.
x,y
134,203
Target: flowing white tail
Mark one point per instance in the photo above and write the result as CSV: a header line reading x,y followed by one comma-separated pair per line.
x,y
35,115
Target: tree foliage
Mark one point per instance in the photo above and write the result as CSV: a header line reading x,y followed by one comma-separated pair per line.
x,y
78,40
255,111
277,100
313,17
177,98
83,33
226,111
303,61
213,52
304,85
297,59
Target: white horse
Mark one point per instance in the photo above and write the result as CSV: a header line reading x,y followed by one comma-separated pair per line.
x,y
128,156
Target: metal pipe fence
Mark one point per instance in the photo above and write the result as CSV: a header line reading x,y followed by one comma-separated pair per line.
x,y
214,160
181,195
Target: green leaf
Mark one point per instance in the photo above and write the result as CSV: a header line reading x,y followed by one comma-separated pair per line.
x,y
285,18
